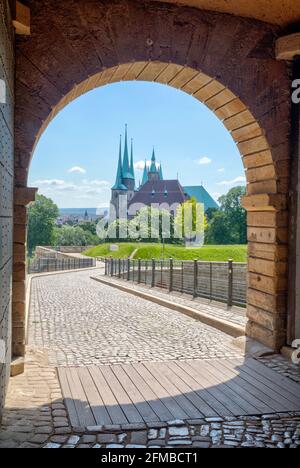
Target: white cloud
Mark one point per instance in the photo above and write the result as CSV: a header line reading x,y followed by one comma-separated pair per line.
x,y
203,161
139,165
236,181
77,170
221,169
50,182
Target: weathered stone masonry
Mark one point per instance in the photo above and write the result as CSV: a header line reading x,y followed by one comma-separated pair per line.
x,y
6,187
76,47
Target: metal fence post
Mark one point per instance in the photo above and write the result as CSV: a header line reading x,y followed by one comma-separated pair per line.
x,y
139,270
128,269
211,281
230,283
105,263
195,278
153,274
171,275
119,268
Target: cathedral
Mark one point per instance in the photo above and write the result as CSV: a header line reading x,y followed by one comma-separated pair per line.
x,y
153,190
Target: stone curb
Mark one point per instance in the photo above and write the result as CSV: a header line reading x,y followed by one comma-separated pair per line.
x,y
220,324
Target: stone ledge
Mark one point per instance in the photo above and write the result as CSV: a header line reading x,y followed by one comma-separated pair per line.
x,y
17,366
222,325
287,47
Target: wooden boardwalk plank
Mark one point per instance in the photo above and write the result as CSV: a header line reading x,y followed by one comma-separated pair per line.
x,y
289,387
158,407
282,395
161,393
265,394
84,412
243,388
137,398
68,397
158,370
121,395
223,393
201,388
114,410
96,403
182,384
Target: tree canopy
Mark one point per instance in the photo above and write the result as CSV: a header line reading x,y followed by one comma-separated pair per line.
x,y
42,215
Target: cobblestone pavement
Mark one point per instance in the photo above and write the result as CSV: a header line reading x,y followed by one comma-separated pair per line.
x,y
110,326
80,321
236,315
35,417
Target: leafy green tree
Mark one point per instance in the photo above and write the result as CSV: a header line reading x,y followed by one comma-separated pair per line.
x,y
229,225
42,215
190,220
210,212
68,235
89,226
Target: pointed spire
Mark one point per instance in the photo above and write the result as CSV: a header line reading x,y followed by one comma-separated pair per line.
x,y
153,167
131,160
161,172
126,167
119,183
145,174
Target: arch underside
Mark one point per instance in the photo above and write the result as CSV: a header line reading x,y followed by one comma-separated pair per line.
x,y
73,50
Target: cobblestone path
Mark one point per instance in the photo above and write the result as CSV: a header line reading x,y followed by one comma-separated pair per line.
x,y
80,322
76,321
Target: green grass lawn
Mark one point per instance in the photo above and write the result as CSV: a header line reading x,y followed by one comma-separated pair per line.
x,y
103,250
212,253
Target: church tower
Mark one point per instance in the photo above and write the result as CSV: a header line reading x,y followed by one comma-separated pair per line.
x,y
125,179
119,189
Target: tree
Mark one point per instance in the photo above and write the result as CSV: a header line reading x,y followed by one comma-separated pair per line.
x,y
190,221
68,235
89,226
42,215
229,225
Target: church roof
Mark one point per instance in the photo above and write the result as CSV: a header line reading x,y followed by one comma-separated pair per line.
x,y
201,195
160,191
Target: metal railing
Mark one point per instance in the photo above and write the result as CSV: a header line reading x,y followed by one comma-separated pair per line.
x,y
216,281
45,265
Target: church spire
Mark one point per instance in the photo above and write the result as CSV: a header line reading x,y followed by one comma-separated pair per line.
x,y
131,160
126,166
153,168
161,172
119,182
145,174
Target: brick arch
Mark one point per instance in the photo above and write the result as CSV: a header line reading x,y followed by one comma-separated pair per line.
x,y
77,46
234,114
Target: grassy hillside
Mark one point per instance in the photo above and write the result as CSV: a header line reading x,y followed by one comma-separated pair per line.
x,y
213,253
103,250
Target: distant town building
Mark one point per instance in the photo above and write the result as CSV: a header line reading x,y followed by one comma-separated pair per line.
x,y
154,189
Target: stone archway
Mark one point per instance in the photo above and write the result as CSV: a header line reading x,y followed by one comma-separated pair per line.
x,y
81,45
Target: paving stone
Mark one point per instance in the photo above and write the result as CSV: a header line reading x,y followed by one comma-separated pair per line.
x,y
88,439
138,438
51,445
107,438
178,431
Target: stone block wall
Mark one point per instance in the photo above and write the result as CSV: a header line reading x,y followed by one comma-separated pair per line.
x,y
6,190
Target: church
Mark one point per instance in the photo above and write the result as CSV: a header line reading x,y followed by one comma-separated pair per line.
x,y
154,189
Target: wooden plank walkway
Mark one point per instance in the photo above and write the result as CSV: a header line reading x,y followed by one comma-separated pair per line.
x,y
163,391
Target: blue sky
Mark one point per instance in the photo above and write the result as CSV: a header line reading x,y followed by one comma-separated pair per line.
x,y
76,158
